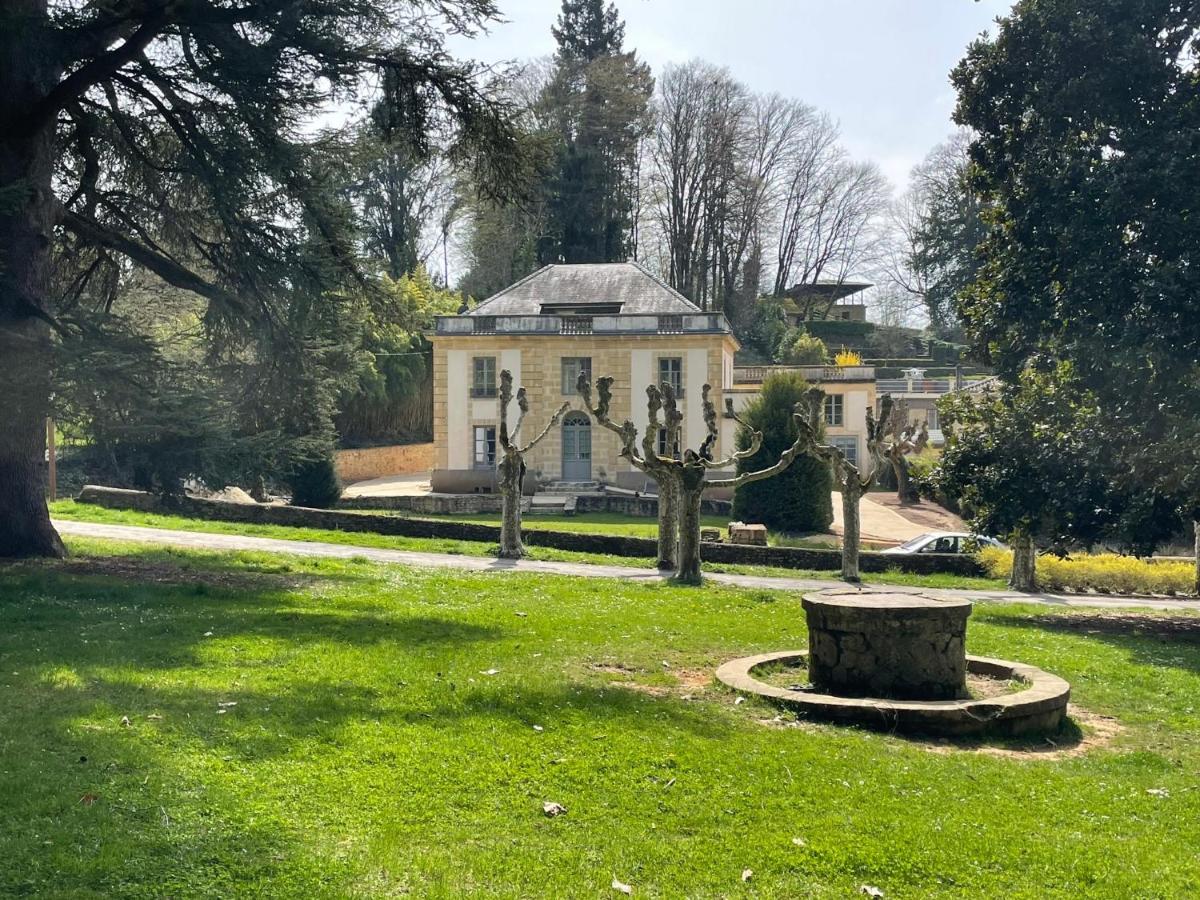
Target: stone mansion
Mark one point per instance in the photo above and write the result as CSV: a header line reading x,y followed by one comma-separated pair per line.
x,y
613,319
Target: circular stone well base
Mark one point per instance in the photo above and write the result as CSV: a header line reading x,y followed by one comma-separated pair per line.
x,y
1038,708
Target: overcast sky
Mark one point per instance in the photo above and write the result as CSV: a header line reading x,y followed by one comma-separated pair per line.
x,y
880,67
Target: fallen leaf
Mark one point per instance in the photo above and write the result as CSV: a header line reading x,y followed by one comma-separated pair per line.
x,y
799,842
154,717
208,634
747,874
521,614
89,799
1158,792
622,887
125,723
538,728
739,701
491,672
870,890
552,809
225,704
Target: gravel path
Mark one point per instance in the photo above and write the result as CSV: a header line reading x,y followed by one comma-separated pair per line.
x,y
229,542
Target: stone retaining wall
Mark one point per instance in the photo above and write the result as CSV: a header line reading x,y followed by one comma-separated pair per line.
x,y
616,545
620,504
378,462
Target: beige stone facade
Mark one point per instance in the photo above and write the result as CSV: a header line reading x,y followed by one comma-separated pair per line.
x,y
537,363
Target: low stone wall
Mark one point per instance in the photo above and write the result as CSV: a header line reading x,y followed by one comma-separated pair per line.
x,y
378,462
620,504
615,545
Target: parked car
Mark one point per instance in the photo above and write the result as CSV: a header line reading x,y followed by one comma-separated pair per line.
x,y
944,542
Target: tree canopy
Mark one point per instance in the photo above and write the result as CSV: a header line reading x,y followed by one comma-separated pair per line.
x,y
185,138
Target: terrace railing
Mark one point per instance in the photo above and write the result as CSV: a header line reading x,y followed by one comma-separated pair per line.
x,y
700,323
759,374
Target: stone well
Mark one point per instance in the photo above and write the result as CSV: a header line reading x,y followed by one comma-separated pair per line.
x,y
898,646
897,662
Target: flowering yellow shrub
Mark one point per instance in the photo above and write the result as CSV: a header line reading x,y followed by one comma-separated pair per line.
x,y
846,357
1108,573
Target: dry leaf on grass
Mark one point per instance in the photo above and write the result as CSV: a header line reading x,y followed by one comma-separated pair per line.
x,y
870,890
747,874
552,809
622,887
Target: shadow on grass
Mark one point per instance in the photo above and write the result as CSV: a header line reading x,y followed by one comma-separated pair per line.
x,y
1153,639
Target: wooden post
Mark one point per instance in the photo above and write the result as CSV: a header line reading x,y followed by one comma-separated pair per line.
x,y
52,461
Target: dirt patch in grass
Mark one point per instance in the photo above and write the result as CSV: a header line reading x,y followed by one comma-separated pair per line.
x,y
683,683
1082,733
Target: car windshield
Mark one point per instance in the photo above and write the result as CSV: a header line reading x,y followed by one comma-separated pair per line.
x,y
914,543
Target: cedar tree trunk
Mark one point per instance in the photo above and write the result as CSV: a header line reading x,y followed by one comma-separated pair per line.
x,y
28,212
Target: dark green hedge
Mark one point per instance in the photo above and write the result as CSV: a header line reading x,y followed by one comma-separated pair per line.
x,y
798,500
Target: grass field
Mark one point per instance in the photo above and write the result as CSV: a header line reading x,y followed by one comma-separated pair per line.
x,y
69,509
201,725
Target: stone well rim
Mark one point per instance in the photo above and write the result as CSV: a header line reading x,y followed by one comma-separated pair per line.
x,y
1046,693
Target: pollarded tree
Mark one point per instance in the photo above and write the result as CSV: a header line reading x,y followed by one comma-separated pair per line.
x,y
644,460
512,465
907,439
848,476
687,474
176,136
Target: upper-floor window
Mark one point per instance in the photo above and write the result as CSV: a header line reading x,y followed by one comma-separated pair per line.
x,y
483,383
665,445
670,371
572,368
834,410
485,447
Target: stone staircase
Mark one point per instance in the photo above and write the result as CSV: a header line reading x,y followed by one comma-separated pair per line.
x,y
570,487
541,504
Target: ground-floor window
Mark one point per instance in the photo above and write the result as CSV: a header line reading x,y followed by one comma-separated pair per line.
x,y
485,447
849,447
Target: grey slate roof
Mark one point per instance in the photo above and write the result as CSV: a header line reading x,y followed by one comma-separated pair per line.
x,y
628,285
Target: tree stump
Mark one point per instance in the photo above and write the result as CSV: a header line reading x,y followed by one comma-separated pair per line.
x,y
897,646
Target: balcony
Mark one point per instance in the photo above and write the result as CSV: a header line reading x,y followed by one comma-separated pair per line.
x,y
759,374
700,323
915,385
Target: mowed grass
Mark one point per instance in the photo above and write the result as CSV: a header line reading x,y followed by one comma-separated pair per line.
x,y
84,512
213,725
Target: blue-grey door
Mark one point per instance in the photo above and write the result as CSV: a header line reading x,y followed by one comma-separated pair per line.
x,y
576,447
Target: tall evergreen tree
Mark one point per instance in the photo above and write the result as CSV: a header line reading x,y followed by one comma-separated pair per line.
x,y
587,30
597,100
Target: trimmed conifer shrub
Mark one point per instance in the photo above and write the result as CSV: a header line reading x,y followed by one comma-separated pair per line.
x,y
315,483
798,499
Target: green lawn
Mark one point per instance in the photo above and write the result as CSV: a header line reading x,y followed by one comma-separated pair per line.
x,y
69,509
185,725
